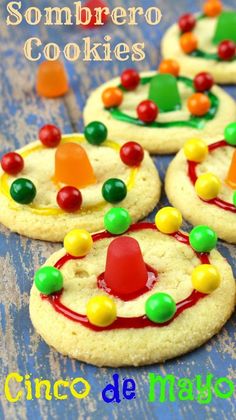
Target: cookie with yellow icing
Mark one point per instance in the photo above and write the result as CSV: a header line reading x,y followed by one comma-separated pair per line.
x,y
63,182
139,297
204,42
201,182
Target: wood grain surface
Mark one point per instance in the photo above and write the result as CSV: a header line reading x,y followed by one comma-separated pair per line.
x,y
22,113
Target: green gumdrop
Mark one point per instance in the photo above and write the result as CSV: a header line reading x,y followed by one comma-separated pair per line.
x,y
117,220
202,238
164,92
230,134
226,27
114,190
234,198
23,191
160,307
95,133
48,280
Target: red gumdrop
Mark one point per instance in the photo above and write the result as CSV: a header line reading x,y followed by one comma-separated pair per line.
x,y
126,272
92,4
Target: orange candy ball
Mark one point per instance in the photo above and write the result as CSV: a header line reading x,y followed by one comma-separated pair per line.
x,y
51,79
170,67
188,42
212,8
112,97
199,104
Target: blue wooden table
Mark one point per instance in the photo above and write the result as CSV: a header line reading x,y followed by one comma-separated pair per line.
x,y
22,113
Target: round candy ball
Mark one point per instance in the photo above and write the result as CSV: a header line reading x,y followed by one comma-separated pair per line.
x,y
188,42
95,132
112,97
12,163
69,199
234,198
205,278
202,239
199,104
187,22
195,150
23,191
101,311
207,186
226,50
170,67
160,307
48,280
130,79
147,111
117,220
203,82
114,190
50,135
230,134
132,153
78,242
168,220
212,8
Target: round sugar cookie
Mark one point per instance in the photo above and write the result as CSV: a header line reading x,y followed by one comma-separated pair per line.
x,y
204,42
159,110
73,184
135,299
202,185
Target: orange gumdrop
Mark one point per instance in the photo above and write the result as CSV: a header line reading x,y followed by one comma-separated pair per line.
x,y
72,166
231,177
51,79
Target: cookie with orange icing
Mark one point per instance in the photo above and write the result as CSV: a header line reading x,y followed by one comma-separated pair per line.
x,y
139,297
204,42
201,182
62,182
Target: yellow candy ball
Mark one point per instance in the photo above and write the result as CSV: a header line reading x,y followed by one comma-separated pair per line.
x,y
168,220
78,242
207,186
195,150
101,311
205,278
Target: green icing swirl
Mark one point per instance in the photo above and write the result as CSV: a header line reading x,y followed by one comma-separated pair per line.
x,y
194,122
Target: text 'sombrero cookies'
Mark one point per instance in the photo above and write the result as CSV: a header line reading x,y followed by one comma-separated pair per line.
x,y
133,294
63,182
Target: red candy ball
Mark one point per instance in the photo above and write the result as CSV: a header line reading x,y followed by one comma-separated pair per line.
x,y
226,50
12,163
50,135
130,79
187,22
69,199
132,153
203,82
147,111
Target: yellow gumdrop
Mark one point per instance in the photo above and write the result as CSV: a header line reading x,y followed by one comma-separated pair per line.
x,y
101,311
205,278
168,220
78,242
195,150
207,186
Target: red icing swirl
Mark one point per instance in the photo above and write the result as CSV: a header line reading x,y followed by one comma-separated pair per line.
x,y
192,166
121,322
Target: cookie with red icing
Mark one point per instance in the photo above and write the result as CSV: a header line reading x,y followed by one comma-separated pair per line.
x,y
133,294
61,182
201,182
204,42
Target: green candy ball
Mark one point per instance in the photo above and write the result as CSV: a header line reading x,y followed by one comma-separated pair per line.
x,y
230,134
160,308
117,221
48,280
95,133
202,239
23,191
234,198
114,190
